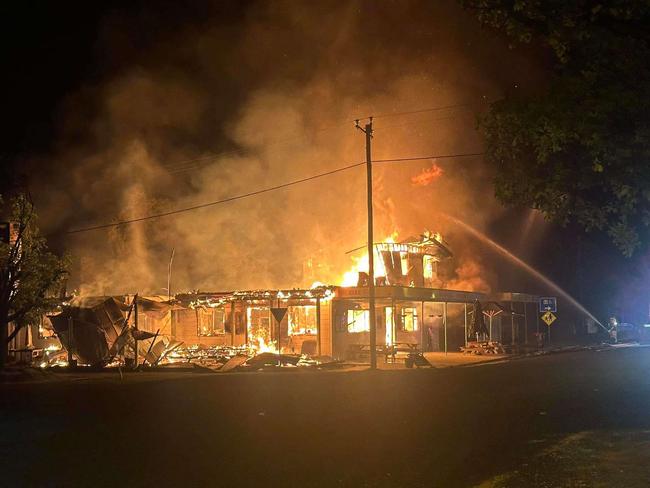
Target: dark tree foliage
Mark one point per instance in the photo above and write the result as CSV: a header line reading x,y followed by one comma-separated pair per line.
x,y
580,151
29,274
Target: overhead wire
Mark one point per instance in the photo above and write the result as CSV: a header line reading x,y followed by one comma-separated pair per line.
x,y
419,111
259,192
412,123
216,202
189,168
191,164
422,158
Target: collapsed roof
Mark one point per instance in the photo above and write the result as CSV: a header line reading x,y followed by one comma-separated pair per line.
x,y
90,326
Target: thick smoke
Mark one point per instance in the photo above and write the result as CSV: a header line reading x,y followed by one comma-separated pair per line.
x,y
274,96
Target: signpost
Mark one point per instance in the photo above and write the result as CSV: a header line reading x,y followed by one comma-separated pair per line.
x,y
547,304
549,318
548,309
491,313
491,310
279,313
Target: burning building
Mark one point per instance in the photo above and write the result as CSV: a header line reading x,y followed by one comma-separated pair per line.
x,y
414,312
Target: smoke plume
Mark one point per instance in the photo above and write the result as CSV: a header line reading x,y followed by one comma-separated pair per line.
x,y
213,109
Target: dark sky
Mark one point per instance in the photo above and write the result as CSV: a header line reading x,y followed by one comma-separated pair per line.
x,y
58,58
50,50
46,50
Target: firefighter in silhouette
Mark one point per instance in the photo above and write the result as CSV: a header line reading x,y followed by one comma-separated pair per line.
x,y
478,330
613,330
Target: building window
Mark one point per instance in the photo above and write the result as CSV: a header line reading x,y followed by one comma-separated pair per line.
x,y
404,260
409,319
259,324
358,320
302,319
211,321
429,267
390,327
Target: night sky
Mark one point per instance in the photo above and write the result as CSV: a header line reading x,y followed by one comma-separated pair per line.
x,y
53,50
63,60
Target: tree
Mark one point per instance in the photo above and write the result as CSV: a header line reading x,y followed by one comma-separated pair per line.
x,y
579,151
28,274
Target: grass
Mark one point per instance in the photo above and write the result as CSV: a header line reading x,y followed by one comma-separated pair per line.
x,y
591,459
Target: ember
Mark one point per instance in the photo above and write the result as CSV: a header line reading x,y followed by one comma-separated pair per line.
x,y
428,175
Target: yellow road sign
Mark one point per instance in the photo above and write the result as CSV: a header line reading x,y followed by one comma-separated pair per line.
x,y
549,318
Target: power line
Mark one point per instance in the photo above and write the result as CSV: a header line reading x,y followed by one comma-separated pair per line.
x,y
422,158
214,156
194,167
264,190
217,202
259,192
190,164
420,111
416,122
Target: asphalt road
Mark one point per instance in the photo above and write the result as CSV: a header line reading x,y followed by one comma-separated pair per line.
x,y
453,427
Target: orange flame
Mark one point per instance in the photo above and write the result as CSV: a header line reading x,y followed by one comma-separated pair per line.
x,y
351,277
428,175
262,346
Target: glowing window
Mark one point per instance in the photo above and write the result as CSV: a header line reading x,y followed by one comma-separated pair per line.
x,y
358,320
410,319
302,319
404,261
211,321
258,323
389,325
428,266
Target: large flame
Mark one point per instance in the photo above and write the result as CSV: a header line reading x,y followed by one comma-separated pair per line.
x,y
263,346
351,277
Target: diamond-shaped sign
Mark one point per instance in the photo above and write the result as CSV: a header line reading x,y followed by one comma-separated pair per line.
x,y
549,318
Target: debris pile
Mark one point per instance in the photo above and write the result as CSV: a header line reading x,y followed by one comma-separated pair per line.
x,y
483,347
243,358
270,361
91,328
418,360
208,356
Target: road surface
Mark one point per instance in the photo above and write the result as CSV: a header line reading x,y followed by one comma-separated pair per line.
x,y
556,420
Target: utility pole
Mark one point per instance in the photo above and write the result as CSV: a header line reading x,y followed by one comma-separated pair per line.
x,y
367,130
71,364
135,326
318,347
169,276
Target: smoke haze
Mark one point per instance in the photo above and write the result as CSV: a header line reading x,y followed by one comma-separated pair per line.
x,y
217,108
